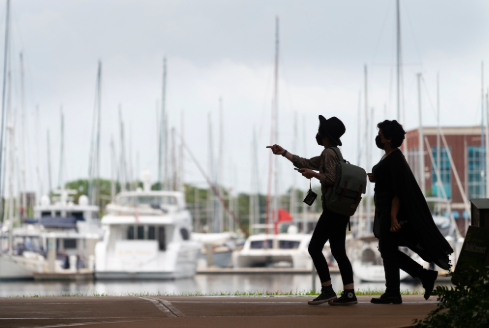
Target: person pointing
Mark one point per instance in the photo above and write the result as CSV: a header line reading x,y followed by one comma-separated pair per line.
x,y
330,226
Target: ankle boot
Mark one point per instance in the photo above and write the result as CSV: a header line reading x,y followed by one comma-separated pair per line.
x,y
428,278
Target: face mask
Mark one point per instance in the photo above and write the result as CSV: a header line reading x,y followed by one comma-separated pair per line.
x,y
378,142
319,139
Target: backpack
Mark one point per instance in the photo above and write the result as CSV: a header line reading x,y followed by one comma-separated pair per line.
x,y
345,194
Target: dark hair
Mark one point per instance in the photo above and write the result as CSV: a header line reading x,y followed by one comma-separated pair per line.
x,y
394,131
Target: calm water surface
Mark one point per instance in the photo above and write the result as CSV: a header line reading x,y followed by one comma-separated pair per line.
x,y
200,283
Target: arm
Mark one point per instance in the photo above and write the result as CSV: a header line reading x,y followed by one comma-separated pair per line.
x,y
298,162
396,204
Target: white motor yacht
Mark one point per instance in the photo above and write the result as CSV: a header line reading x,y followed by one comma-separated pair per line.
x,y
147,237
73,229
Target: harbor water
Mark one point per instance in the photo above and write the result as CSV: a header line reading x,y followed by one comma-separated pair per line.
x,y
202,283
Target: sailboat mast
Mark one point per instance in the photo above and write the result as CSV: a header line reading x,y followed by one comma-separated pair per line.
x,y
22,101
275,105
438,150
4,88
181,176
162,151
219,173
421,139
487,139
398,34
367,153
482,155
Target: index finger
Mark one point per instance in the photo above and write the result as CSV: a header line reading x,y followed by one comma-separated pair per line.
x,y
269,146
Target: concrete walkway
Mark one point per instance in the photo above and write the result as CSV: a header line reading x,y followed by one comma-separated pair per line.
x,y
225,312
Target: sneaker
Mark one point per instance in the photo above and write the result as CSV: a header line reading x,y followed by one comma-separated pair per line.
x,y
387,298
347,298
327,295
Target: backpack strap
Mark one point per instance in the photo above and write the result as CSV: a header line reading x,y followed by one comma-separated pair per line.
x,y
340,157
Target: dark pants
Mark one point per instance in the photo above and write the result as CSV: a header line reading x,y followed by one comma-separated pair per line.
x,y
393,258
331,226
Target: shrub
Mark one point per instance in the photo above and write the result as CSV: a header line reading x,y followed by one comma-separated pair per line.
x,y
466,304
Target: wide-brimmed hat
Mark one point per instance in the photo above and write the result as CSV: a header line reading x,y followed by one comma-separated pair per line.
x,y
333,128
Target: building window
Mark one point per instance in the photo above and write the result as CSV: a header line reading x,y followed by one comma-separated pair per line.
x,y
445,173
476,156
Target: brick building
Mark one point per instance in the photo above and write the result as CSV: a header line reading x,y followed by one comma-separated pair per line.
x,y
464,144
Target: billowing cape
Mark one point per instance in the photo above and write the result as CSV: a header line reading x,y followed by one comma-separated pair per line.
x,y
429,243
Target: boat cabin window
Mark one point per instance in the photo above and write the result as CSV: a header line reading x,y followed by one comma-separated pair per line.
x,y
45,213
77,214
161,239
130,232
148,200
69,243
140,232
259,244
57,214
151,233
288,244
185,234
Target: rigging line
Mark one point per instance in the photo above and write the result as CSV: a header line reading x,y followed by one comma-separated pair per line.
x,y
382,29
213,186
412,30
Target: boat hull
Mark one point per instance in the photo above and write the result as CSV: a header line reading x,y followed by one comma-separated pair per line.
x,y
14,267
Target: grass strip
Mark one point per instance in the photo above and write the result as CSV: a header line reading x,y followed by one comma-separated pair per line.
x,y
256,293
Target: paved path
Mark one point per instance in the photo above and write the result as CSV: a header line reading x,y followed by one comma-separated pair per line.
x,y
225,312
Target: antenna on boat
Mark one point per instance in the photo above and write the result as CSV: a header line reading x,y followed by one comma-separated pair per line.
x,y
113,169
122,165
5,68
181,176
38,173
61,152
49,164
94,165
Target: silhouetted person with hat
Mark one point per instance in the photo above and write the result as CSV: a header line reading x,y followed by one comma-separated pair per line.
x,y
330,225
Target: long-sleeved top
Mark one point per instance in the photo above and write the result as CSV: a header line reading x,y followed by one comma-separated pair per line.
x,y
325,164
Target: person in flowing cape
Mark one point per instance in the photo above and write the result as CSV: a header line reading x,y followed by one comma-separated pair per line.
x,y
403,218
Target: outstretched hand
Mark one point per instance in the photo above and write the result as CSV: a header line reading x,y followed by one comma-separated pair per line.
x,y
371,177
276,149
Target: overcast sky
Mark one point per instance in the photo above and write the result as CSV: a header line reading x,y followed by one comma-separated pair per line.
x,y
226,49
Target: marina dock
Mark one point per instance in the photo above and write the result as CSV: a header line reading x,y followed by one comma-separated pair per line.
x,y
260,271
175,311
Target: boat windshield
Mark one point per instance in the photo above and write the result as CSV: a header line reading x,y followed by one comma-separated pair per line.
x,y
148,200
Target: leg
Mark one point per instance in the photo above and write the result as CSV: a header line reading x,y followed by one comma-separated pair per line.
x,y
318,239
337,242
408,265
389,250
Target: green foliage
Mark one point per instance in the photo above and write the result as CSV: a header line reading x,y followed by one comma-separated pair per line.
x,y
464,305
